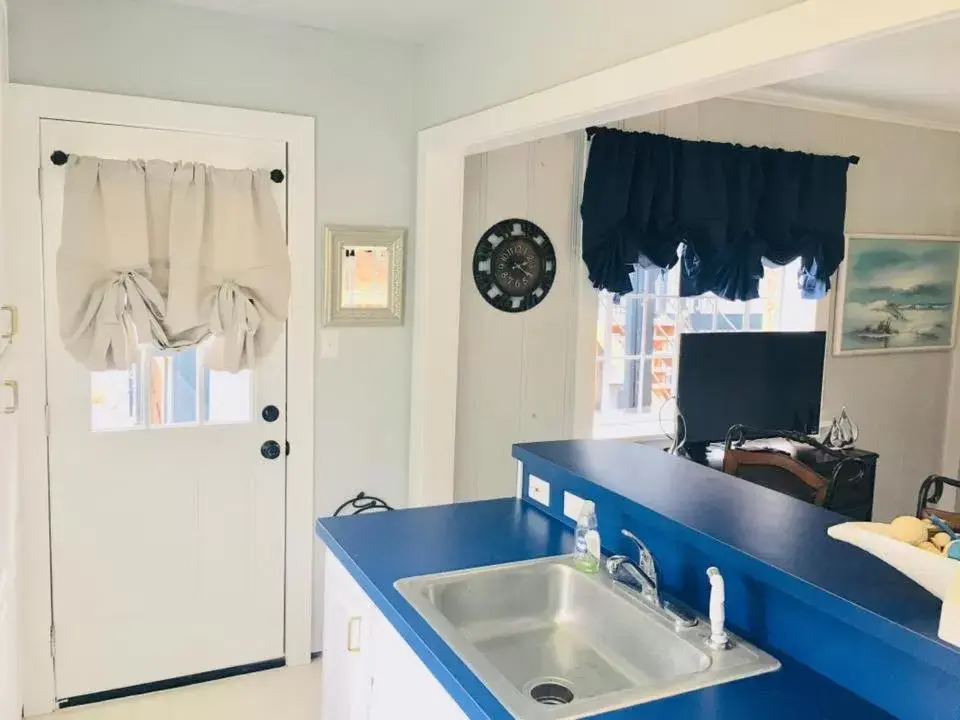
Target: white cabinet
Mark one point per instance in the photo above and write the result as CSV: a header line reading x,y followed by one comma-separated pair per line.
x,y
347,645
403,687
369,671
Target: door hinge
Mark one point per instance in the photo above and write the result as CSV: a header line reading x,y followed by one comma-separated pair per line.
x,y
53,641
46,419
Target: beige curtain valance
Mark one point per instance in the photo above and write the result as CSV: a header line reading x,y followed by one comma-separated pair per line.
x,y
170,254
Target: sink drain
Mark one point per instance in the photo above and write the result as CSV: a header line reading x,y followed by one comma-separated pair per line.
x,y
550,692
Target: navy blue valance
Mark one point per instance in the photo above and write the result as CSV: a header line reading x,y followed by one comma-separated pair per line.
x,y
728,205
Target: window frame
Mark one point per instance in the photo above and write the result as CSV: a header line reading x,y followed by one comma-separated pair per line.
x,y
792,313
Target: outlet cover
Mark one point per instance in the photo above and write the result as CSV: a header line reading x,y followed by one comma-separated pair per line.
x,y
539,490
572,505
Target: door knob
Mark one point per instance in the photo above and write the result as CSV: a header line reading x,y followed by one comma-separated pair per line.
x,y
270,450
270,413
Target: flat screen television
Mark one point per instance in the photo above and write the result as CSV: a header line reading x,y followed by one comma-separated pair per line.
x,y
766,380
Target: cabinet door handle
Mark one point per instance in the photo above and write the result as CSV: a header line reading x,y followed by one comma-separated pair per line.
x,y
351,623
13,326
15,393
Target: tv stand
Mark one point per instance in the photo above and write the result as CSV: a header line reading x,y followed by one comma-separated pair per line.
x,y
851,498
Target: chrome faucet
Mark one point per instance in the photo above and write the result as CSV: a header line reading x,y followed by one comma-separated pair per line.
x,y
645,576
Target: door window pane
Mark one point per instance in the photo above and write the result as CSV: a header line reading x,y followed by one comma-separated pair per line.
x,y
115,399
228,397
169,389
173,388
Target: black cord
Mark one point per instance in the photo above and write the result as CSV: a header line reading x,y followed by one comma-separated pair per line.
x,y
362,503
852,480
681,431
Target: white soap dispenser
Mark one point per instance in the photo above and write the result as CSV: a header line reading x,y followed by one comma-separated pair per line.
x,y
586,552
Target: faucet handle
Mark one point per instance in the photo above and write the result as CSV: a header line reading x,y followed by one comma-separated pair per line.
x,y
645,558
641,548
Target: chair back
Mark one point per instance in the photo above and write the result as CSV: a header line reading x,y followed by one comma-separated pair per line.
x,y
777,471
931,489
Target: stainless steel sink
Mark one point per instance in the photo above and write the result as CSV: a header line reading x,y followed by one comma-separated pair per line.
x,y
552,643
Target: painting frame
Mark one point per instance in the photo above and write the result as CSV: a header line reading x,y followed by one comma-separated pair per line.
x,y
843,288
336,238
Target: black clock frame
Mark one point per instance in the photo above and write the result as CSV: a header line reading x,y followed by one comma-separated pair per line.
x,y
531,235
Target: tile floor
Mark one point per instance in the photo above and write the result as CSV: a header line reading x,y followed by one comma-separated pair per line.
x,y
283,694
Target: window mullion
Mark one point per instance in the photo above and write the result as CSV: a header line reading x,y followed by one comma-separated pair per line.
x,y
146,384
203,411
169,390
644,309
607,370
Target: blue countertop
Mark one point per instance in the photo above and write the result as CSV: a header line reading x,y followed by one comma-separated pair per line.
x,y
379,549
783,541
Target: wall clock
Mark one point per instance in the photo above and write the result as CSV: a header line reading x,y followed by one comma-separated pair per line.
x,y
514,265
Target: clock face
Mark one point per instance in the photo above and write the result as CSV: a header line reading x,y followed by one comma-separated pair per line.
x,y
514,265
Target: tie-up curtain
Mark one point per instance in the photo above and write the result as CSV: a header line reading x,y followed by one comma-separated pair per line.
x,y
169,254
729,206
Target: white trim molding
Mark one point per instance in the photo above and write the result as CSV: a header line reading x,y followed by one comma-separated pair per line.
x,y
27,105
779,97
800,40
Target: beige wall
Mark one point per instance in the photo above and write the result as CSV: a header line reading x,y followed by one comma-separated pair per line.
x,y
515,373
907,182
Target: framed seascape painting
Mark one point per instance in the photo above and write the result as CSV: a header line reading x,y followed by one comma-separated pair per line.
x,y
897,293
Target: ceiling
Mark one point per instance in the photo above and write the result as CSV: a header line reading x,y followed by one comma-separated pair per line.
x,y
913,74
408,20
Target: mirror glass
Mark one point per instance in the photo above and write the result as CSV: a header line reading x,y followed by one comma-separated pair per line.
x,y
365,277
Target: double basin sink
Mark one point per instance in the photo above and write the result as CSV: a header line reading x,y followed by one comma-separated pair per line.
x,y
553,643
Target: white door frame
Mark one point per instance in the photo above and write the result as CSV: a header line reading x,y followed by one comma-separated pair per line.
x,y
799,40
27,105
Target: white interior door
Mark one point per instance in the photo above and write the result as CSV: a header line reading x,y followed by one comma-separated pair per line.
x,y
10,707
167,523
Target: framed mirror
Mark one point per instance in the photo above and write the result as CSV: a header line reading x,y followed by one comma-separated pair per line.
x,y
363,275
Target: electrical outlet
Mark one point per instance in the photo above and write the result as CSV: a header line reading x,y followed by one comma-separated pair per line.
x,y
539,490
572,505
